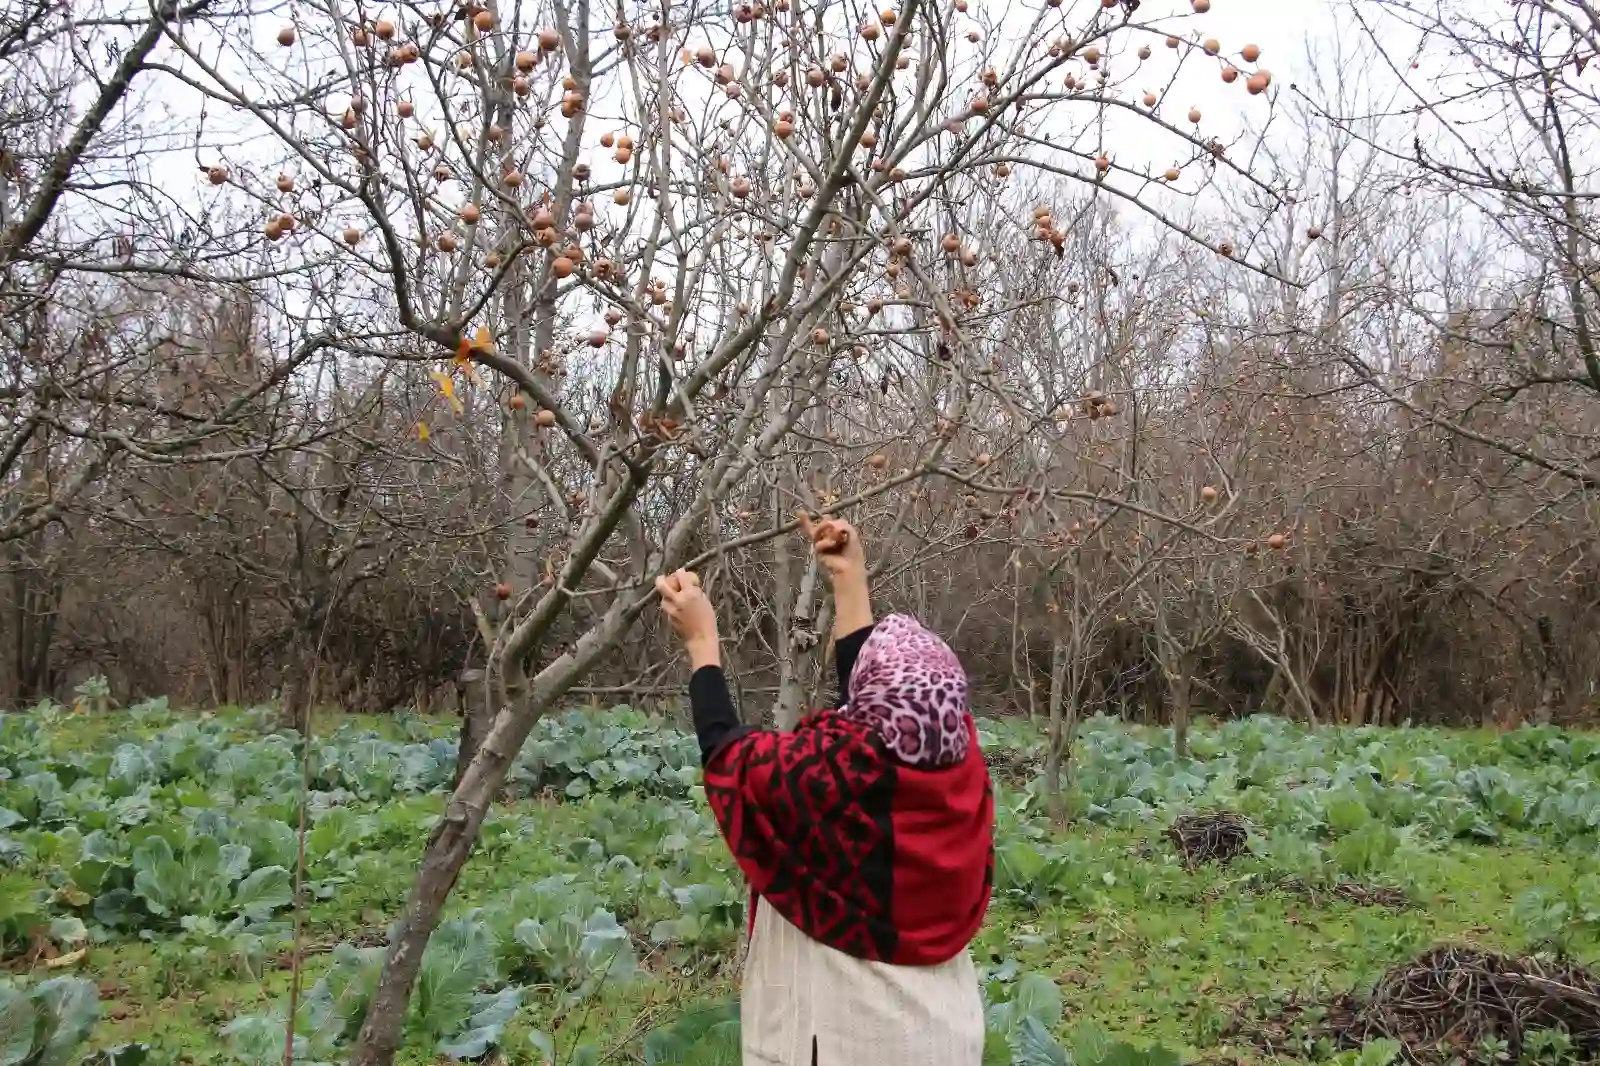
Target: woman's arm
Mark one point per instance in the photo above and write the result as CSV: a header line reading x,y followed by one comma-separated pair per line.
x,y
838,547
716,719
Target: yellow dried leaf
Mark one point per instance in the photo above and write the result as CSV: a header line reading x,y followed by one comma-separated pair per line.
x,y
422,431
447,389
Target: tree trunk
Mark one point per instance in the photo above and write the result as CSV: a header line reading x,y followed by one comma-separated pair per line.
x,y
1182,682
1058,751
36,599
299,681
453,838
1552,687
477,716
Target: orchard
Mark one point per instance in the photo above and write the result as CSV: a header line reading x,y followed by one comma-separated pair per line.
x,y
354,350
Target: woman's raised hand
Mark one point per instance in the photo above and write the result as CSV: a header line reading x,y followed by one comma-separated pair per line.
x,y
689,610
837,545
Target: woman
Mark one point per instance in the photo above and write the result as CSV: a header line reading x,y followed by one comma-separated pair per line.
x,y
866,835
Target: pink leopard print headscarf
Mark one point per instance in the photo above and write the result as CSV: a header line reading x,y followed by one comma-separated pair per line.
x,y
910,686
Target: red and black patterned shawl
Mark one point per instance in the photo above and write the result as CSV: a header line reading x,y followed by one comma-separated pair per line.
x,y
879,859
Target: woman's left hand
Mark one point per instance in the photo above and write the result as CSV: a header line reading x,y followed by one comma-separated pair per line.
x,y
689,610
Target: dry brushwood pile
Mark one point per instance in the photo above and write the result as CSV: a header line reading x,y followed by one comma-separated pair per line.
x,y
1348,891
1219,836
1014,766
1451,1001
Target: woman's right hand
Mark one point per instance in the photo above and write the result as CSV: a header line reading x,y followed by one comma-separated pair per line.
x,y
837,545
689,610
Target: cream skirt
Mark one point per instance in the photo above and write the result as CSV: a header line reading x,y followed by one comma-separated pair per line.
x,y
797,991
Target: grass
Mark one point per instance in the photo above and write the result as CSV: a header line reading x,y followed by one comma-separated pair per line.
x,y
1150,951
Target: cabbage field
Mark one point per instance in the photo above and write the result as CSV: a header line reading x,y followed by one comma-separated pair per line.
x,y
1277,895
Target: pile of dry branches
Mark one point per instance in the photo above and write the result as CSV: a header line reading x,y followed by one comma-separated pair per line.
x,y
1449,1003
1220,836
1349,891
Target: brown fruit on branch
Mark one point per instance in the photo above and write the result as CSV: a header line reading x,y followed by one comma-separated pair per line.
x,y
517,401
526,61
1277,541
1149,99
549,40
447,242
1250,53
1230,75
1200,6
483,21
819,336
545,418
285,183
705,56
384,29
1208,494
878,462
352,236
561,266
1257,83
1194,114
469,214
405,109
502,591
217,175
1212,46
286,35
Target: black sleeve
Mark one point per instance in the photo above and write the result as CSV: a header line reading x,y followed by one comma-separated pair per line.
x,y
845,650
716,722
